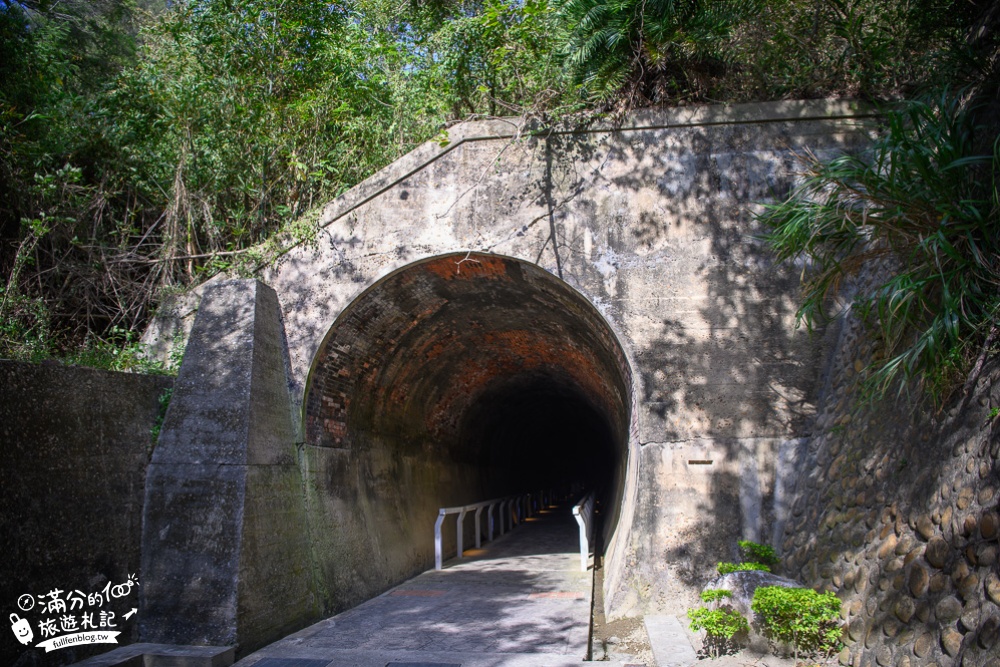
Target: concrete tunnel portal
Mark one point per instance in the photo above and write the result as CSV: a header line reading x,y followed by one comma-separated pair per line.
x,y
456,379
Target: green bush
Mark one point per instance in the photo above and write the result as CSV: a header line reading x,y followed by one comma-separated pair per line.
x,y
715,595
720,626
726,568
799,616
758,553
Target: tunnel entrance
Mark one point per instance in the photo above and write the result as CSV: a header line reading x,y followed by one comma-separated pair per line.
x,y
456,379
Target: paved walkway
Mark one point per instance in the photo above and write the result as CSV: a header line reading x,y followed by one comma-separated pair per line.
x,y
521,601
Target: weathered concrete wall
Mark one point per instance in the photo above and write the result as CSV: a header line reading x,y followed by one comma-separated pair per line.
x,y
652,223
225,547
895,509
75,445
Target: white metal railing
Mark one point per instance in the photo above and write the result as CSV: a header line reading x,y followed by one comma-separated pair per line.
x,y
583,511
513,510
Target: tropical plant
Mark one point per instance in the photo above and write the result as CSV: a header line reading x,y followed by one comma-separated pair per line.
x,y
920,211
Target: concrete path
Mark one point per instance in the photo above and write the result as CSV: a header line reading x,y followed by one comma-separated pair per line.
x,y
521,601
671,647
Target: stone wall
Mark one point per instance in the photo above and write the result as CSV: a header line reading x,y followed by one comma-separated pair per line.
x,y
896,511
75,443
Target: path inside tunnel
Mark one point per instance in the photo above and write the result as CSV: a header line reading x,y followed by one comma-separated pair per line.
x,y
521,601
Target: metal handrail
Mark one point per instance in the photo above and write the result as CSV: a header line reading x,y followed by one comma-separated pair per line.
x,y
583,512
513,510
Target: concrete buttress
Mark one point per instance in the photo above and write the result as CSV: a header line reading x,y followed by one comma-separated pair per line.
x,y
225,557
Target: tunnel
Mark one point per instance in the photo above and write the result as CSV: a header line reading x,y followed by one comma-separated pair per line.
x,y
453,380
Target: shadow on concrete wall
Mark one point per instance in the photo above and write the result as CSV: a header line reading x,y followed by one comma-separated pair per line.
x,y
723,368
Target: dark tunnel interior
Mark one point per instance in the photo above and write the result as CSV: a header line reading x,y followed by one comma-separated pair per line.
x,y
468,377
539,433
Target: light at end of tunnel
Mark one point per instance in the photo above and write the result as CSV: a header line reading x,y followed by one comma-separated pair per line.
x,y
531,518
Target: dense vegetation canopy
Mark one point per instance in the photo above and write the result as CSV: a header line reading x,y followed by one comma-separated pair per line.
x,y
148,144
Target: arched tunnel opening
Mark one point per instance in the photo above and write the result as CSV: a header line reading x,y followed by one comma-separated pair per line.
x,y
450,381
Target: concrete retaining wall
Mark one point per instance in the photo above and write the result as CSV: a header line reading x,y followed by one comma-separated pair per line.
x,y
75,443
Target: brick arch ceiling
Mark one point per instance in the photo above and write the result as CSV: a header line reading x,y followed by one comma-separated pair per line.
x,y
418,352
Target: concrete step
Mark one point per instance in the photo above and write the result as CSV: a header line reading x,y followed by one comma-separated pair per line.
x,y
163,655
367,658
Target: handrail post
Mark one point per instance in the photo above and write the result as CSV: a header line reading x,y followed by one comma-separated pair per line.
x,y
437,540
584,542
479,510
458,531
583,513
489,522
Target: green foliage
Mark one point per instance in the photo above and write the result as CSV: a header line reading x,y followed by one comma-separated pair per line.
x,y
715,595
143,151
630,53
147,151
498,59
119,350
726,568
236,119
164,401
718,622
923,205
858,48
663,43
720,626
759,553
799,616
25,327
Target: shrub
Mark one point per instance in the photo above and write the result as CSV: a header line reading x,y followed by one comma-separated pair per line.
x,y
720,626
758,553
726,568
715,595
800,616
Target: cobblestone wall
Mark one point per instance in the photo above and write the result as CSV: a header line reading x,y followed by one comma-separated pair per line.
x,y
896,511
